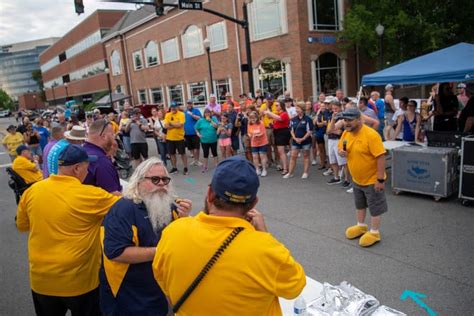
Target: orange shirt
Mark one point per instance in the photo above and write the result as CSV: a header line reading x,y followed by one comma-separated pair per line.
x,y
257,134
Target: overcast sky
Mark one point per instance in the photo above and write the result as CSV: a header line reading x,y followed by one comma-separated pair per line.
x,y
24,20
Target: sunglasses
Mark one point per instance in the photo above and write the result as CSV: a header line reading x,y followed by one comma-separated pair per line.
x,y
104,127
156,180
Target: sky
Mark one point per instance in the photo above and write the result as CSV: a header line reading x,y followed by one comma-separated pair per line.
x,y
25,20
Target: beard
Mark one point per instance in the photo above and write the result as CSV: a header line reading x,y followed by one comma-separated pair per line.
x,y
158,206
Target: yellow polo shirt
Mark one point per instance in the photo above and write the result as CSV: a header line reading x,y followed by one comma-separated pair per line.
x,y
266,120
363,149
247,279
13,141
175,134
63,217
27,170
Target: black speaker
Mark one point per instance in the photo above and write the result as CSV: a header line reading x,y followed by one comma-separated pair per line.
x,y
466,190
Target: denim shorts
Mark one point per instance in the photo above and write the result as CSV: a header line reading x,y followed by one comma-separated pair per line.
x,y
295,146
260,149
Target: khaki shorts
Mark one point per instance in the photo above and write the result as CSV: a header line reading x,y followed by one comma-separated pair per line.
x,y
271,139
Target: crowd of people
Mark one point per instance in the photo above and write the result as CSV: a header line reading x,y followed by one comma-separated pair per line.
x,y
96,248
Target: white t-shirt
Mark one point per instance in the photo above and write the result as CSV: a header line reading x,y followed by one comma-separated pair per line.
x,y
291,111
398,112
159,127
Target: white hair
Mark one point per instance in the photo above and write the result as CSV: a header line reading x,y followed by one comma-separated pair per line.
x,y
132,192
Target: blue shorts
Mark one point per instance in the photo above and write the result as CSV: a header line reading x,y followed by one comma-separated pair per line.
x,y
261,149
295,146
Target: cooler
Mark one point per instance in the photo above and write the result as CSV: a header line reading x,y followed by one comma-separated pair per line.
x,y
425,170
466,180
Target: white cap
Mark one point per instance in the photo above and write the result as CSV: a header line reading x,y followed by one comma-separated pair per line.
x,y
328,99
388,87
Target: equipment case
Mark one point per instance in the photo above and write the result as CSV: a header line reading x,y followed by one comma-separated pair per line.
x,y
466,180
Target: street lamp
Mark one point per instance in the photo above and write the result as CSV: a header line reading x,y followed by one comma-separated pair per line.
x,y
54,97
207,46
67,93
107,71
248,50
379,29
34,98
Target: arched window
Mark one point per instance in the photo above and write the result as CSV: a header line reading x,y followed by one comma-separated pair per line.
x,y
272,76
151,54
328,73
116,63
192,42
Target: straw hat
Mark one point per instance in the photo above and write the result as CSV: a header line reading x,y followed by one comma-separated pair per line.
x,y
76,133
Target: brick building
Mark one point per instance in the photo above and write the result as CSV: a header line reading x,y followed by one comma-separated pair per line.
x,y
30,101
293,44
74,67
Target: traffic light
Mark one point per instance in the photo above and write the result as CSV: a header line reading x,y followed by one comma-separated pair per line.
x,y
79,6
159,7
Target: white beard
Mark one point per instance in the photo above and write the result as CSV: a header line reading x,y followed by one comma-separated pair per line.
x,y
159,210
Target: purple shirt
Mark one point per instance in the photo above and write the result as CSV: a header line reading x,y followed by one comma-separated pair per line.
x,y
101,173
46,150
214,107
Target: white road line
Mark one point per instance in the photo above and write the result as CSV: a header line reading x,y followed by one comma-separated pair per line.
x,y
6,165
2,153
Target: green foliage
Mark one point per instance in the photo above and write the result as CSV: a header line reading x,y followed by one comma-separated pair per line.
x,y
6,102
412,27
38,77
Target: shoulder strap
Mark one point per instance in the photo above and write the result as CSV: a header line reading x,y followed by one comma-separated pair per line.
x,y
206,269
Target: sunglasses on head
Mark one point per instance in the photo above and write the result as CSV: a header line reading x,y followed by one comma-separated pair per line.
x,y
104,127
156,180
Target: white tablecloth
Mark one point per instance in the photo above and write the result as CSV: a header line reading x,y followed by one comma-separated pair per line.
x,y
311,292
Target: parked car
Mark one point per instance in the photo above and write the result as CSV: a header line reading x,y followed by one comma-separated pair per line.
x,y
5,113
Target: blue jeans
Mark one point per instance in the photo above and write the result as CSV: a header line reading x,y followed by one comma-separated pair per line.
x,y
162,150
381,127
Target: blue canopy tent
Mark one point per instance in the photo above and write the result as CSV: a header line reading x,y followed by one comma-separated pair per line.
x,y
451,64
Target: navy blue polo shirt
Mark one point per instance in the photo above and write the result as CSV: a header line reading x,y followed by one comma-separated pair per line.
x,y
300,126
129,289
101,173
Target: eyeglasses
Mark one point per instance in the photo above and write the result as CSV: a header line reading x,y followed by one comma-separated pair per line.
x,y
156,180
104,127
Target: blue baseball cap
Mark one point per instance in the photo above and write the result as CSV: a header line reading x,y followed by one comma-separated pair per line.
x,y
74,154
20,148
235,180
269,96
173,104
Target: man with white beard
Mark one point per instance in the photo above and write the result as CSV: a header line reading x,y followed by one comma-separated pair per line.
x,y
131,230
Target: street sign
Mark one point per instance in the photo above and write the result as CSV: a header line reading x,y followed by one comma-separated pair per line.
x,y
322,39
190,5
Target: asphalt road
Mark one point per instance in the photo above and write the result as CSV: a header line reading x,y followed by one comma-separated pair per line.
x,y
426,246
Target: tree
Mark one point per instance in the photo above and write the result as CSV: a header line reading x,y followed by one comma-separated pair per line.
x,y
6,101
38,77
412,27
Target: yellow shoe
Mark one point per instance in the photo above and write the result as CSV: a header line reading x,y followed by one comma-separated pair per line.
x,y
368,239
355,231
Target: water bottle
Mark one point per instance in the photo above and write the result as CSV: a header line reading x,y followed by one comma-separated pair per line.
x,y
299,309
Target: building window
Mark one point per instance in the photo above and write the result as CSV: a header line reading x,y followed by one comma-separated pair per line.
x,y
272,76
156,95
192,42
116,63
170,50
175,93
325,15
88,71
198,93
137,60
151,54
328,73
84,44
142,96
222,87
268,18
217,34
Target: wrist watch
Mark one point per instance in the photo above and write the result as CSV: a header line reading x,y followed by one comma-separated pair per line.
x,y
381,180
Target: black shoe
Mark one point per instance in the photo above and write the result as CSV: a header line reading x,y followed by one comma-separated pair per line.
x,y
334,181
346,184
185,171
173,171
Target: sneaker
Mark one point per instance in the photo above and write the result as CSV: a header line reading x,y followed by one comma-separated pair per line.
x,y
204,170
259,172
313,163
322,168
173,171
198,163
279,168
328,172
304,176
192,163
356,231
368,239
264,173
334,181
351,190
287,176
346,184
185,171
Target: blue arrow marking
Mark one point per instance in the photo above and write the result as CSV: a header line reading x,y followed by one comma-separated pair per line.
x,y
416,297
190,180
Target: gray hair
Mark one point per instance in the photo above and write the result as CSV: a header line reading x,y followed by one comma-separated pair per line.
x,y
132,191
